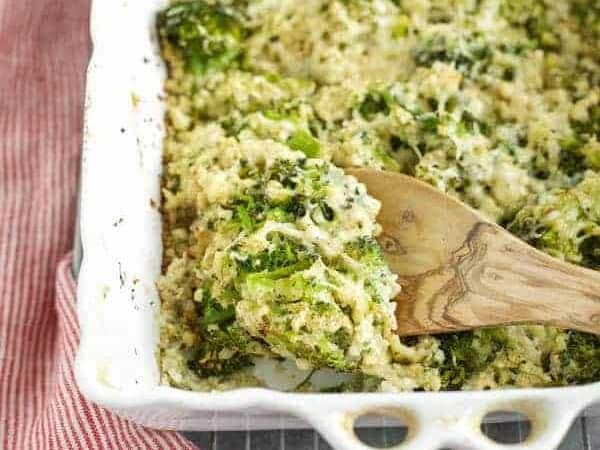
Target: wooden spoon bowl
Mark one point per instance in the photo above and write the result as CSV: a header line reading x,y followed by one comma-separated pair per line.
x,y
459,271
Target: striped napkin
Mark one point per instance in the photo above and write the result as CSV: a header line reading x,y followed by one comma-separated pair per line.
x,y
44,47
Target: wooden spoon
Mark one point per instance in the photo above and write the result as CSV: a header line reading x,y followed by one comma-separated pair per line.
x,y
459,271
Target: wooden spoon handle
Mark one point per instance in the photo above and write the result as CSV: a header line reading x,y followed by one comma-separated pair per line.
x,y
494,276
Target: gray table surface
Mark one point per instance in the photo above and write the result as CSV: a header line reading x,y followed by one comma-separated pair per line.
x,y
583,435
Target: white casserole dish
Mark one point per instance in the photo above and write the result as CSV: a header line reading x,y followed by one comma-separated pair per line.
x,y
118,302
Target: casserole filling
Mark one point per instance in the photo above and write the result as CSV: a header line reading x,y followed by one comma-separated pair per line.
x,y
269,247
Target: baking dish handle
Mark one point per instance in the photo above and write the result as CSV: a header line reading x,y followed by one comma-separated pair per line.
x,y
456,426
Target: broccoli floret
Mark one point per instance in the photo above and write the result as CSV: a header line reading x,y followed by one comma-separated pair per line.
x,y
207,36
289,300
467,353
572,160
564,223
375,102
591,127
429,122
294,207
250,209
283,255
471,124
580,150
367,251
213,313
221,353
303,322
587,13
404,155
387,160
275,263
533,18
469,57
287,172
223,345
580,361
590,252
319,350
358,383
460,359
291,308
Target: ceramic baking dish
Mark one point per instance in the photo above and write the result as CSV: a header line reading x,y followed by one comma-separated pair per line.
x,y
118,302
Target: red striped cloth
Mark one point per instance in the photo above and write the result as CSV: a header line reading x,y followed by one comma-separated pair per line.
x,y
44,47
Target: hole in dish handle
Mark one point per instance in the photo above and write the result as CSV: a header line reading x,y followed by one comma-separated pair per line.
x,y
337,428
456,426
550,421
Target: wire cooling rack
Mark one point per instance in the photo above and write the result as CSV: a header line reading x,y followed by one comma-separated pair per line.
x,y
583,435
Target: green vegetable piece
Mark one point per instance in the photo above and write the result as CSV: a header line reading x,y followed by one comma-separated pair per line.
x,y
401,27
206,35
590,251
218,332
210,361
471,124
459,359
429,122
283,254
375,103
273,114
473,54
572,160
367,251
278,215
327,211
580,362
245,219
467,352
213,312
342,338
565,222
294,206
303,141
249,210
388,161
215,315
